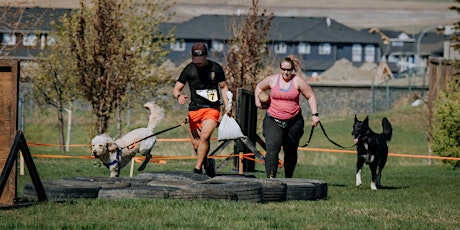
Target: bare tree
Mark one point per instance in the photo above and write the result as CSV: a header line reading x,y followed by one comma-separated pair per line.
x,y
248,48
117,44
55,77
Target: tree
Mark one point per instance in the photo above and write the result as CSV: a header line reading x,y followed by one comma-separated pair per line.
x,y
56,75
248,49
117,44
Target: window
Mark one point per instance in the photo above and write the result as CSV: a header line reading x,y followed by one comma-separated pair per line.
x,y
304,48
8,39
280,48
356,53
30,39
178,46
50,40
369,53
217,46
324,49
397,43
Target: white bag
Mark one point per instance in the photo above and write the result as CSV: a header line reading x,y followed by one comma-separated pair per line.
x,y
229,129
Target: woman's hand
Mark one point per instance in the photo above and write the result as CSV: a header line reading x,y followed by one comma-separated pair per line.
x,y
315,120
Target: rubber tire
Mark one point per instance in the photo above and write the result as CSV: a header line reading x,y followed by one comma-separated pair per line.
x,y
173,176
272,190
200,194
321,188
103,182
57,190
159,192
298,188
173,184
246,190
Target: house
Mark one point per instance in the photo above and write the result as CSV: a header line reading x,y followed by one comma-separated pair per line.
x,y
317,41
401,49
25,31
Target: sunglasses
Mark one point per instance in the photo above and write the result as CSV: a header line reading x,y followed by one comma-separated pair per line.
x,y
199,53
289,70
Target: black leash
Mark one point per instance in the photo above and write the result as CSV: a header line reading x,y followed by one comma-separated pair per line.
x,y
309,139
157,133
325,134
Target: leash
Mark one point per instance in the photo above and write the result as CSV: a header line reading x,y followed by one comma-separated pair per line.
x,y
309,138
157,133
325,134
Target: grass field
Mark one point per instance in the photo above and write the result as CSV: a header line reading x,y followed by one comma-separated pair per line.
x,y
415,195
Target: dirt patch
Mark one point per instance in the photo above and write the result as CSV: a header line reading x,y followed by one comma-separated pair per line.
x,y
343,70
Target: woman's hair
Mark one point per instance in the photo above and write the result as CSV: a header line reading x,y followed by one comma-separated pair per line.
x,y
295,63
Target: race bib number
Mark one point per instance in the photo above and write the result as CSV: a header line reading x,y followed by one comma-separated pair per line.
x,y
210,94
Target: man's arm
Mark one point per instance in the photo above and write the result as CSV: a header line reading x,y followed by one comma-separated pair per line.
x,y
181,98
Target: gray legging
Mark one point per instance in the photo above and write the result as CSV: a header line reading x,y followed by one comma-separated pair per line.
x,y
287,137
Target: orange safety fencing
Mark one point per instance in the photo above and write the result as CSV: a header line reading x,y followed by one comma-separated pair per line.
x,y
162,159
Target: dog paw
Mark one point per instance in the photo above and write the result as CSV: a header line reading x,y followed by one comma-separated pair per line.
x,y
358,180
373,186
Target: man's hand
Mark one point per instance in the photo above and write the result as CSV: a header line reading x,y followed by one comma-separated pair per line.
x,y
182,99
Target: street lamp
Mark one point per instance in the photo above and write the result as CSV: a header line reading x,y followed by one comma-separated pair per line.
x,y
418,61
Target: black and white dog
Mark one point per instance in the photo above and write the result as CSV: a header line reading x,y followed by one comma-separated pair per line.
x,y
372,149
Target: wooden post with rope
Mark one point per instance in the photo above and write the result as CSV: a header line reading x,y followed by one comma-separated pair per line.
x,y
240,157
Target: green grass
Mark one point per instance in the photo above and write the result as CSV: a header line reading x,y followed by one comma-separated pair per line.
x,y
415,195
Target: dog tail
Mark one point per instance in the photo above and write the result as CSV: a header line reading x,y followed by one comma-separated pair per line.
x,y
387,129
156,114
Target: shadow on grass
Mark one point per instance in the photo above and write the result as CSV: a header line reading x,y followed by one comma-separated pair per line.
x,y
392,187
361,187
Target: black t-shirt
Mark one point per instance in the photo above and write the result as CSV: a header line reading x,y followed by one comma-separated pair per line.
x,y
205,78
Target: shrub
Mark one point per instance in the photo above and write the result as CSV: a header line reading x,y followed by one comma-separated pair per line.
x,y
445,139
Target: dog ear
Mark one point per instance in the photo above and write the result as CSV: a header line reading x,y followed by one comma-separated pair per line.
x,y
366,121
356,119
111,146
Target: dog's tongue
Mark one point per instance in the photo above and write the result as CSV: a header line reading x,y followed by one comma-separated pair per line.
x,y
355,140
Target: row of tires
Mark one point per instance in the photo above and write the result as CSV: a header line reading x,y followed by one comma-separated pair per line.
x,y
183,185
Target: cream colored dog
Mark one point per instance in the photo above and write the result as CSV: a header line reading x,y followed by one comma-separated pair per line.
x,y
117,154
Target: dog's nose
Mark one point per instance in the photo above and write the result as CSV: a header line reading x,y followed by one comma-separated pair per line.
x,y
95,154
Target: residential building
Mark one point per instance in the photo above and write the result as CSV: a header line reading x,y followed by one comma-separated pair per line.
x,y
401,49
317,41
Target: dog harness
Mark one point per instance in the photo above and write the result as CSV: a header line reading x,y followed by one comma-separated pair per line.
x,y
117,160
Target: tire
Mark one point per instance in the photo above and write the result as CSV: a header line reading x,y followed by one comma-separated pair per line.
x,y
200,194
173,176
159,192
246,190
272,190
298,188
103,182
173,184
57,190
321,188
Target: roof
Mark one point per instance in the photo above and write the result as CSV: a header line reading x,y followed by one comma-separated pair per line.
x,y
288,29
29,18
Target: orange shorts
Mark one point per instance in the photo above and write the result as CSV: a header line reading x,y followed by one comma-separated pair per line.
x,y
195,118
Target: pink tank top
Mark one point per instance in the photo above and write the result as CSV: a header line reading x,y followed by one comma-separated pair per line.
x,y
284,103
